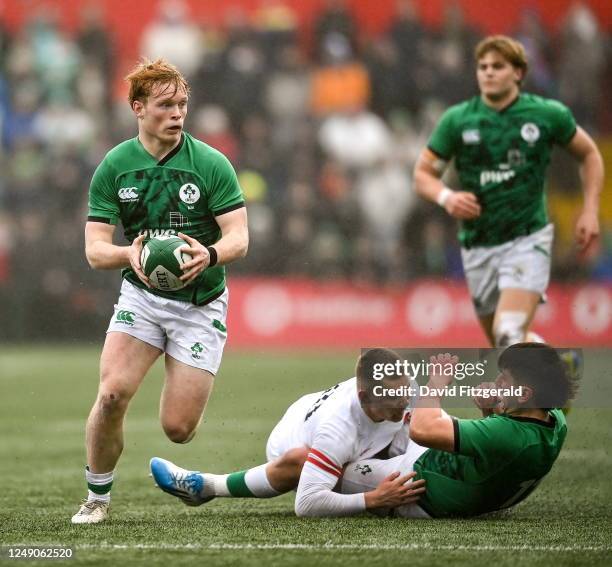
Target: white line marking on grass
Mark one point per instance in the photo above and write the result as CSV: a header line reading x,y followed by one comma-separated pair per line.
x,y
340,547
408,547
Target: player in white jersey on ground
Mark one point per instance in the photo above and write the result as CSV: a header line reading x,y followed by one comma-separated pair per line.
x,y
308,448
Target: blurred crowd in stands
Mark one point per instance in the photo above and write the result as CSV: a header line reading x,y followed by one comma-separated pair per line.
x,y
323,132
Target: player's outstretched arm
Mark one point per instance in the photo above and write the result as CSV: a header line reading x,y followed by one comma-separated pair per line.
x,y
428,183
583,148
429,425
315,496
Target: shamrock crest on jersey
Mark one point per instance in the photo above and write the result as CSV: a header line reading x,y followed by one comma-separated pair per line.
x,y
189,193
530,132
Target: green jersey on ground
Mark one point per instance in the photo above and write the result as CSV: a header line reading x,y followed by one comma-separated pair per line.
x,y
501,157
183,192
497,462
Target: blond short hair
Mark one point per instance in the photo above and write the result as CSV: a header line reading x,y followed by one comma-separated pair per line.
x,y
511,50
147,75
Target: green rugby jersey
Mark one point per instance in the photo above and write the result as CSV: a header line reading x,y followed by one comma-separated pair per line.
x,y
501,157
497,462
181,193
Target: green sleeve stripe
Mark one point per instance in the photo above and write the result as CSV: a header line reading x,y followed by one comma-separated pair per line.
x,y
102,216
569,138
229,209
457,445
91,218
237,485
100,488
440,155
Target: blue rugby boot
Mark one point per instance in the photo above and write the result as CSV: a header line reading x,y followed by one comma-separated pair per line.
x,y
190,486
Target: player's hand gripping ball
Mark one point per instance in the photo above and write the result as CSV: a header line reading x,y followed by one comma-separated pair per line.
x,y
162,262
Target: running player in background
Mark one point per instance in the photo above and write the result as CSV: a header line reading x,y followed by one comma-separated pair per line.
x,y
309,446
161,182
501,142
477,466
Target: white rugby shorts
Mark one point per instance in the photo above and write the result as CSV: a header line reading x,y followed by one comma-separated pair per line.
x,y
367,474
192,334
522,263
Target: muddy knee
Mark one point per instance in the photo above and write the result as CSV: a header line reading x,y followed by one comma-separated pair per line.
x,y
113,402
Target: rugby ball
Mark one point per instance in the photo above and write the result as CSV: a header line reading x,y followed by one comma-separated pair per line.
x,y
162,262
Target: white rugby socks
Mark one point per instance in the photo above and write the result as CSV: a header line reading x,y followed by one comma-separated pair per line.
x,y
252,483
99,485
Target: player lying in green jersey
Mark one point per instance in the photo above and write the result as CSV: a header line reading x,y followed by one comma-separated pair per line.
x,y
501,143
477,466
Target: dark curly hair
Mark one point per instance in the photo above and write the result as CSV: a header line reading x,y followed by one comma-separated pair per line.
x,y
539,367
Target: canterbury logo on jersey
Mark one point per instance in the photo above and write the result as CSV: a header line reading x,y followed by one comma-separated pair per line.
x,y
471,136
127,194
324,463
495,176
125,317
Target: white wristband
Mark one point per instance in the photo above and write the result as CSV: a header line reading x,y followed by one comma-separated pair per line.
x,y
443,196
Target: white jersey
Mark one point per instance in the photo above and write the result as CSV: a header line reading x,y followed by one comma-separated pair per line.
x,y
337,431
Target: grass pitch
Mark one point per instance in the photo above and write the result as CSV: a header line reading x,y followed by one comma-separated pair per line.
x,y
46,394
